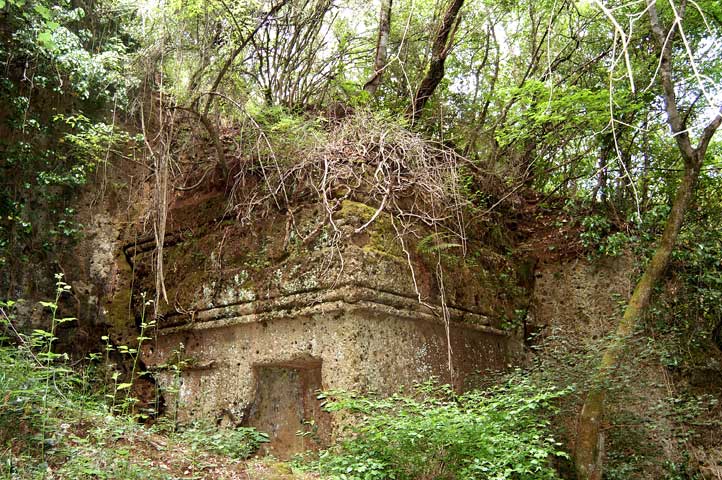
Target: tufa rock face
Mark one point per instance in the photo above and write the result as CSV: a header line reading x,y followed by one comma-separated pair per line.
x,y
263,315
582,298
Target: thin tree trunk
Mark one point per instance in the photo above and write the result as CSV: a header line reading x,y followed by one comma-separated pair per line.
x,y
203,114
601,187
229,61
382,44
590,442
644,187
439,51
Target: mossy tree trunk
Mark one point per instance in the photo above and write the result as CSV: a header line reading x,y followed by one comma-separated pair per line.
x,y
443,42
589,446
590,441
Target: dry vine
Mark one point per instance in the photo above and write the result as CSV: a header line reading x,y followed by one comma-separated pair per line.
x,y
413,181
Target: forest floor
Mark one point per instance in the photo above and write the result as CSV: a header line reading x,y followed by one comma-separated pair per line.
x,y
157,455
54,426
115,448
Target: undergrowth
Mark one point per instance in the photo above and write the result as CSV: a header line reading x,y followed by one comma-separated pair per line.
x,y
501,433
55,424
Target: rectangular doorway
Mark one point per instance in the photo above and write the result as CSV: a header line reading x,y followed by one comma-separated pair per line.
x,y
285,404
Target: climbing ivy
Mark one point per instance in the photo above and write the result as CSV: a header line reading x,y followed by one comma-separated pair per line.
x,y
63,69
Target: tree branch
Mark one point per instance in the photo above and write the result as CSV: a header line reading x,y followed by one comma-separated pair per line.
x,y
274,9
439,51
664,43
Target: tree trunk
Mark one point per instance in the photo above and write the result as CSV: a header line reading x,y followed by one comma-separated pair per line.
x,y
382,43
590,441
439,51
589,445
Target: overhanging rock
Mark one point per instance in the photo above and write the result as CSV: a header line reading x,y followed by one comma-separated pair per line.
x,y
261,316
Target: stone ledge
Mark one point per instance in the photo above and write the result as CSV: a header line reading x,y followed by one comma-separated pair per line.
x,y
343,299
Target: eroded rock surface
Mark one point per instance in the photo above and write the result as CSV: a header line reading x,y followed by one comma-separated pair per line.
x,y
261,316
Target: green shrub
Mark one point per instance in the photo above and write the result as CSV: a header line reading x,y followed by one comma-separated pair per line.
x,y
498,434
598,236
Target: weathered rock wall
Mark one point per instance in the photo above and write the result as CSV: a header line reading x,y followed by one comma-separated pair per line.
x,y
91,261
262,315
357,346
213,261
584,298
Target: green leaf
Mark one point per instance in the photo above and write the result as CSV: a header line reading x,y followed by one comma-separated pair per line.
x,y
45,38
124,386
43,11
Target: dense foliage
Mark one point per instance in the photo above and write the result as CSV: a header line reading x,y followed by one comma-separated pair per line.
x,y
63,81
501,434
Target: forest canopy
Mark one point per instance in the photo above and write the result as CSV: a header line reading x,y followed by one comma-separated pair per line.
x,y
559,96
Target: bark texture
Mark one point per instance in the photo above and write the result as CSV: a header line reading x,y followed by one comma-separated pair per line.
x,y
382,45
439,51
